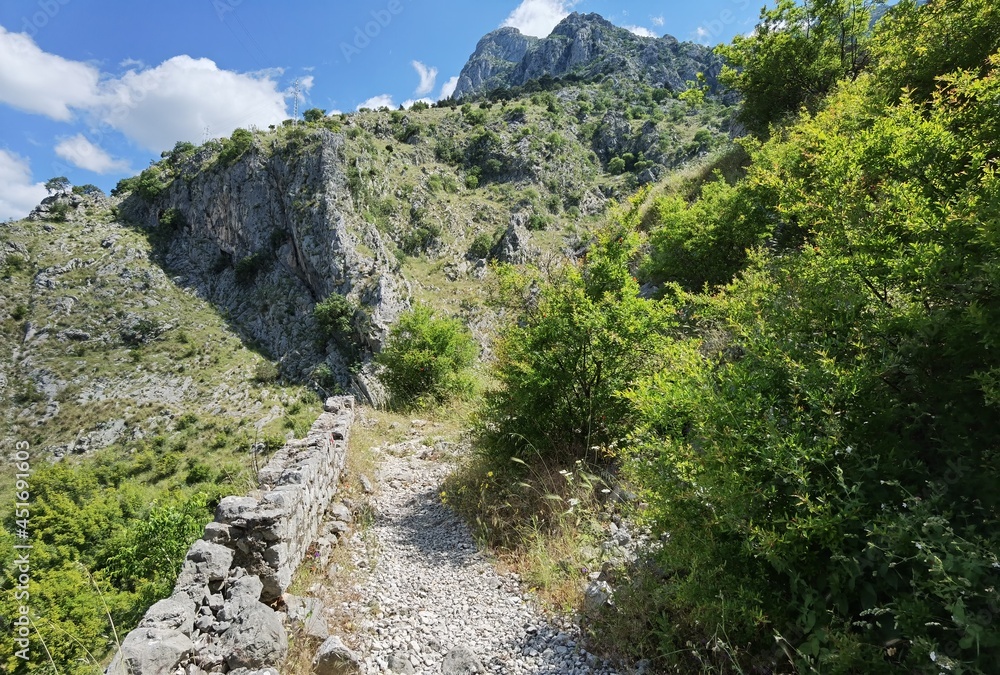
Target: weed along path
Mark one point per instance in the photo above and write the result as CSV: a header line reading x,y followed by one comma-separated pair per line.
x,y
431,602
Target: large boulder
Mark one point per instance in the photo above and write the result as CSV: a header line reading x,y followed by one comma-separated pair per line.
x,y
256,640
151,651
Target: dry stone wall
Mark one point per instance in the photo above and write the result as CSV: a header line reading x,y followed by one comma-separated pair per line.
x,y
218,619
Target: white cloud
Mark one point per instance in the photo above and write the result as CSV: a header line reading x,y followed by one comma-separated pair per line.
x,y
657,20
178,99
428,78
38,82
18,195
448,88
539,17
80,152
408,103
155,107
641,31
376,102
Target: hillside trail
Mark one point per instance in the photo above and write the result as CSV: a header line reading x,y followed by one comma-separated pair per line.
x,y
431,602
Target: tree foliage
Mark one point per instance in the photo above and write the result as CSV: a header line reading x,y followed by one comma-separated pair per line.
x,y
426,358
795,55
823,449
579,338
57,185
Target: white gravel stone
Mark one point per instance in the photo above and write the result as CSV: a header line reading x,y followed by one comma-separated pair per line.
x,y
430,591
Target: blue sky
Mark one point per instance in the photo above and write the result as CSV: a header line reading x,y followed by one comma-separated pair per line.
x,y
95,94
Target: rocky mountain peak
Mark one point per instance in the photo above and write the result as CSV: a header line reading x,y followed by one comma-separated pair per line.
x,y
576,22
587,46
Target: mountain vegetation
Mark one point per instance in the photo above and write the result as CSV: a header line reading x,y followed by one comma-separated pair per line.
x,y
775,354
810,431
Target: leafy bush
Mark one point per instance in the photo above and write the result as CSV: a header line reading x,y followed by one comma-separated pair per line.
x,y
707,241
336,316
234,146
266,372
59,211
421,237
484,243
173,219
249,267
796,54
563,361
824,456
151,550
539,221
426,358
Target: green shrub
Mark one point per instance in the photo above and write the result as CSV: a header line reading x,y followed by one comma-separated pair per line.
x,y
199,472
249,267
59,211
266,371
539,221
421,238
825,453
234,146
150,550
336,319
426,358
484,243
562,363
173,219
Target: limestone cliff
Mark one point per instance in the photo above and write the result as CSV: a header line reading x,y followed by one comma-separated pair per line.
x,y
269,235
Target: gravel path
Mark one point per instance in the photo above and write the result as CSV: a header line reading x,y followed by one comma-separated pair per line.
x,y
433,603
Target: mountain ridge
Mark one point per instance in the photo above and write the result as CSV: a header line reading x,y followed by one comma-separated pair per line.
x,y
588,47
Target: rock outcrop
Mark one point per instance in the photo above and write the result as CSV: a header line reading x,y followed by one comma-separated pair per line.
x,y
586,46
218,618
266,237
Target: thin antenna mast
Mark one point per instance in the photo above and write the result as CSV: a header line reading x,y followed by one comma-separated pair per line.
x,y
295,104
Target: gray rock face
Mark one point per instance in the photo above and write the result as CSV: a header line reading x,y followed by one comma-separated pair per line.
x,y
171,614
596,595
242,595
400,664
588,46
214,560
257,640
515,244
288,219
495,58
151,651
335,658
309,613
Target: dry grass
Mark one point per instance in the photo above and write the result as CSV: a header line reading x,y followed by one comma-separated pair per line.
x,y
543,522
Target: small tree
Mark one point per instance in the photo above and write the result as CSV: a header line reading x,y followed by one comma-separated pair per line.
x,y
794,56
314,115
58,185
426,358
